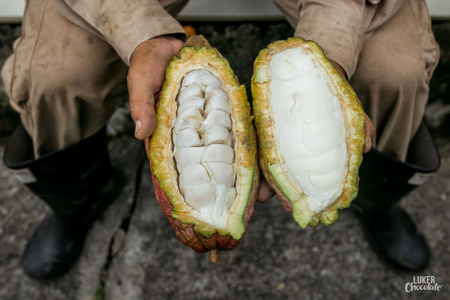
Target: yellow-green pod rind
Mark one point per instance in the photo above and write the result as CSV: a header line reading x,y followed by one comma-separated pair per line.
x,y
272,161
163,164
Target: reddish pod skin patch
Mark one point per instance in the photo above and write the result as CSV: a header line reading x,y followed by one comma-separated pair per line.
x,y
186,233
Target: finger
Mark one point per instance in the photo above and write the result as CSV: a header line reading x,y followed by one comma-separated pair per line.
x,y
265,192
369,130
142,112
367,145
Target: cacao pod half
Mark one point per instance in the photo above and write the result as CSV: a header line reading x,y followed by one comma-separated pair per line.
x,y
310,128
203,151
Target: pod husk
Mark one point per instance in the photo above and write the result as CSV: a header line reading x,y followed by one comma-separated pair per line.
x,y
198,235
272,161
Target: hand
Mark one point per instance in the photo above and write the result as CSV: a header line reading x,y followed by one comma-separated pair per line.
x,y
369,128
145,78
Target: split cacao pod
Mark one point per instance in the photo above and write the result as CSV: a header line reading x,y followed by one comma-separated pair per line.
x,y
310,128
203,151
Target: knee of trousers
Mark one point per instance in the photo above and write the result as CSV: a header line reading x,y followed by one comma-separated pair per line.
x,y
47,80
88,79
398,80
63,101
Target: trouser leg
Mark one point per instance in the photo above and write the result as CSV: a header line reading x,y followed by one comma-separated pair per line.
x,y
392,77
60,76
393,72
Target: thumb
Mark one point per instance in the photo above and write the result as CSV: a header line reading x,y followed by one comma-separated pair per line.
x,y
143,114
145,78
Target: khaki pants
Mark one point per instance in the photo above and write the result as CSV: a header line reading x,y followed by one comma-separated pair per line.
x,y
393,74
59,77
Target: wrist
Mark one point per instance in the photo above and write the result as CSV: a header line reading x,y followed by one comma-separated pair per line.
x,y
167,44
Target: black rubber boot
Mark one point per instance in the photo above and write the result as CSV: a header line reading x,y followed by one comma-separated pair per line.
x,y
78,183
384,181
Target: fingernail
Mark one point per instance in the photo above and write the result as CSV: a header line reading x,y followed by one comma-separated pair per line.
x,y
138,125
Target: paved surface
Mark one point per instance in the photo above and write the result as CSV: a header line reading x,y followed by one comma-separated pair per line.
x,y
132,252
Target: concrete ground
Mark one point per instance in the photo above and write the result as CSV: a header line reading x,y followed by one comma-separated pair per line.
x,y
132,252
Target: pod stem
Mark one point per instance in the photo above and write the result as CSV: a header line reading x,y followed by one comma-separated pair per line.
x,y
214,255
197,41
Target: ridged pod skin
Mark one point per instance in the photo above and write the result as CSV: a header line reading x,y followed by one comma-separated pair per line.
x,y
190,230
275,167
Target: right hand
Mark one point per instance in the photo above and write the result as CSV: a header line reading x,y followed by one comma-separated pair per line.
x,y
145,78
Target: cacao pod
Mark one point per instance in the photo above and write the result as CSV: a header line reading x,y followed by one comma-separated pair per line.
x,y
310,128
203,151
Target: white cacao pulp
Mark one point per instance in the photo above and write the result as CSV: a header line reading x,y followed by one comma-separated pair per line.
x,y
204,151
309,127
